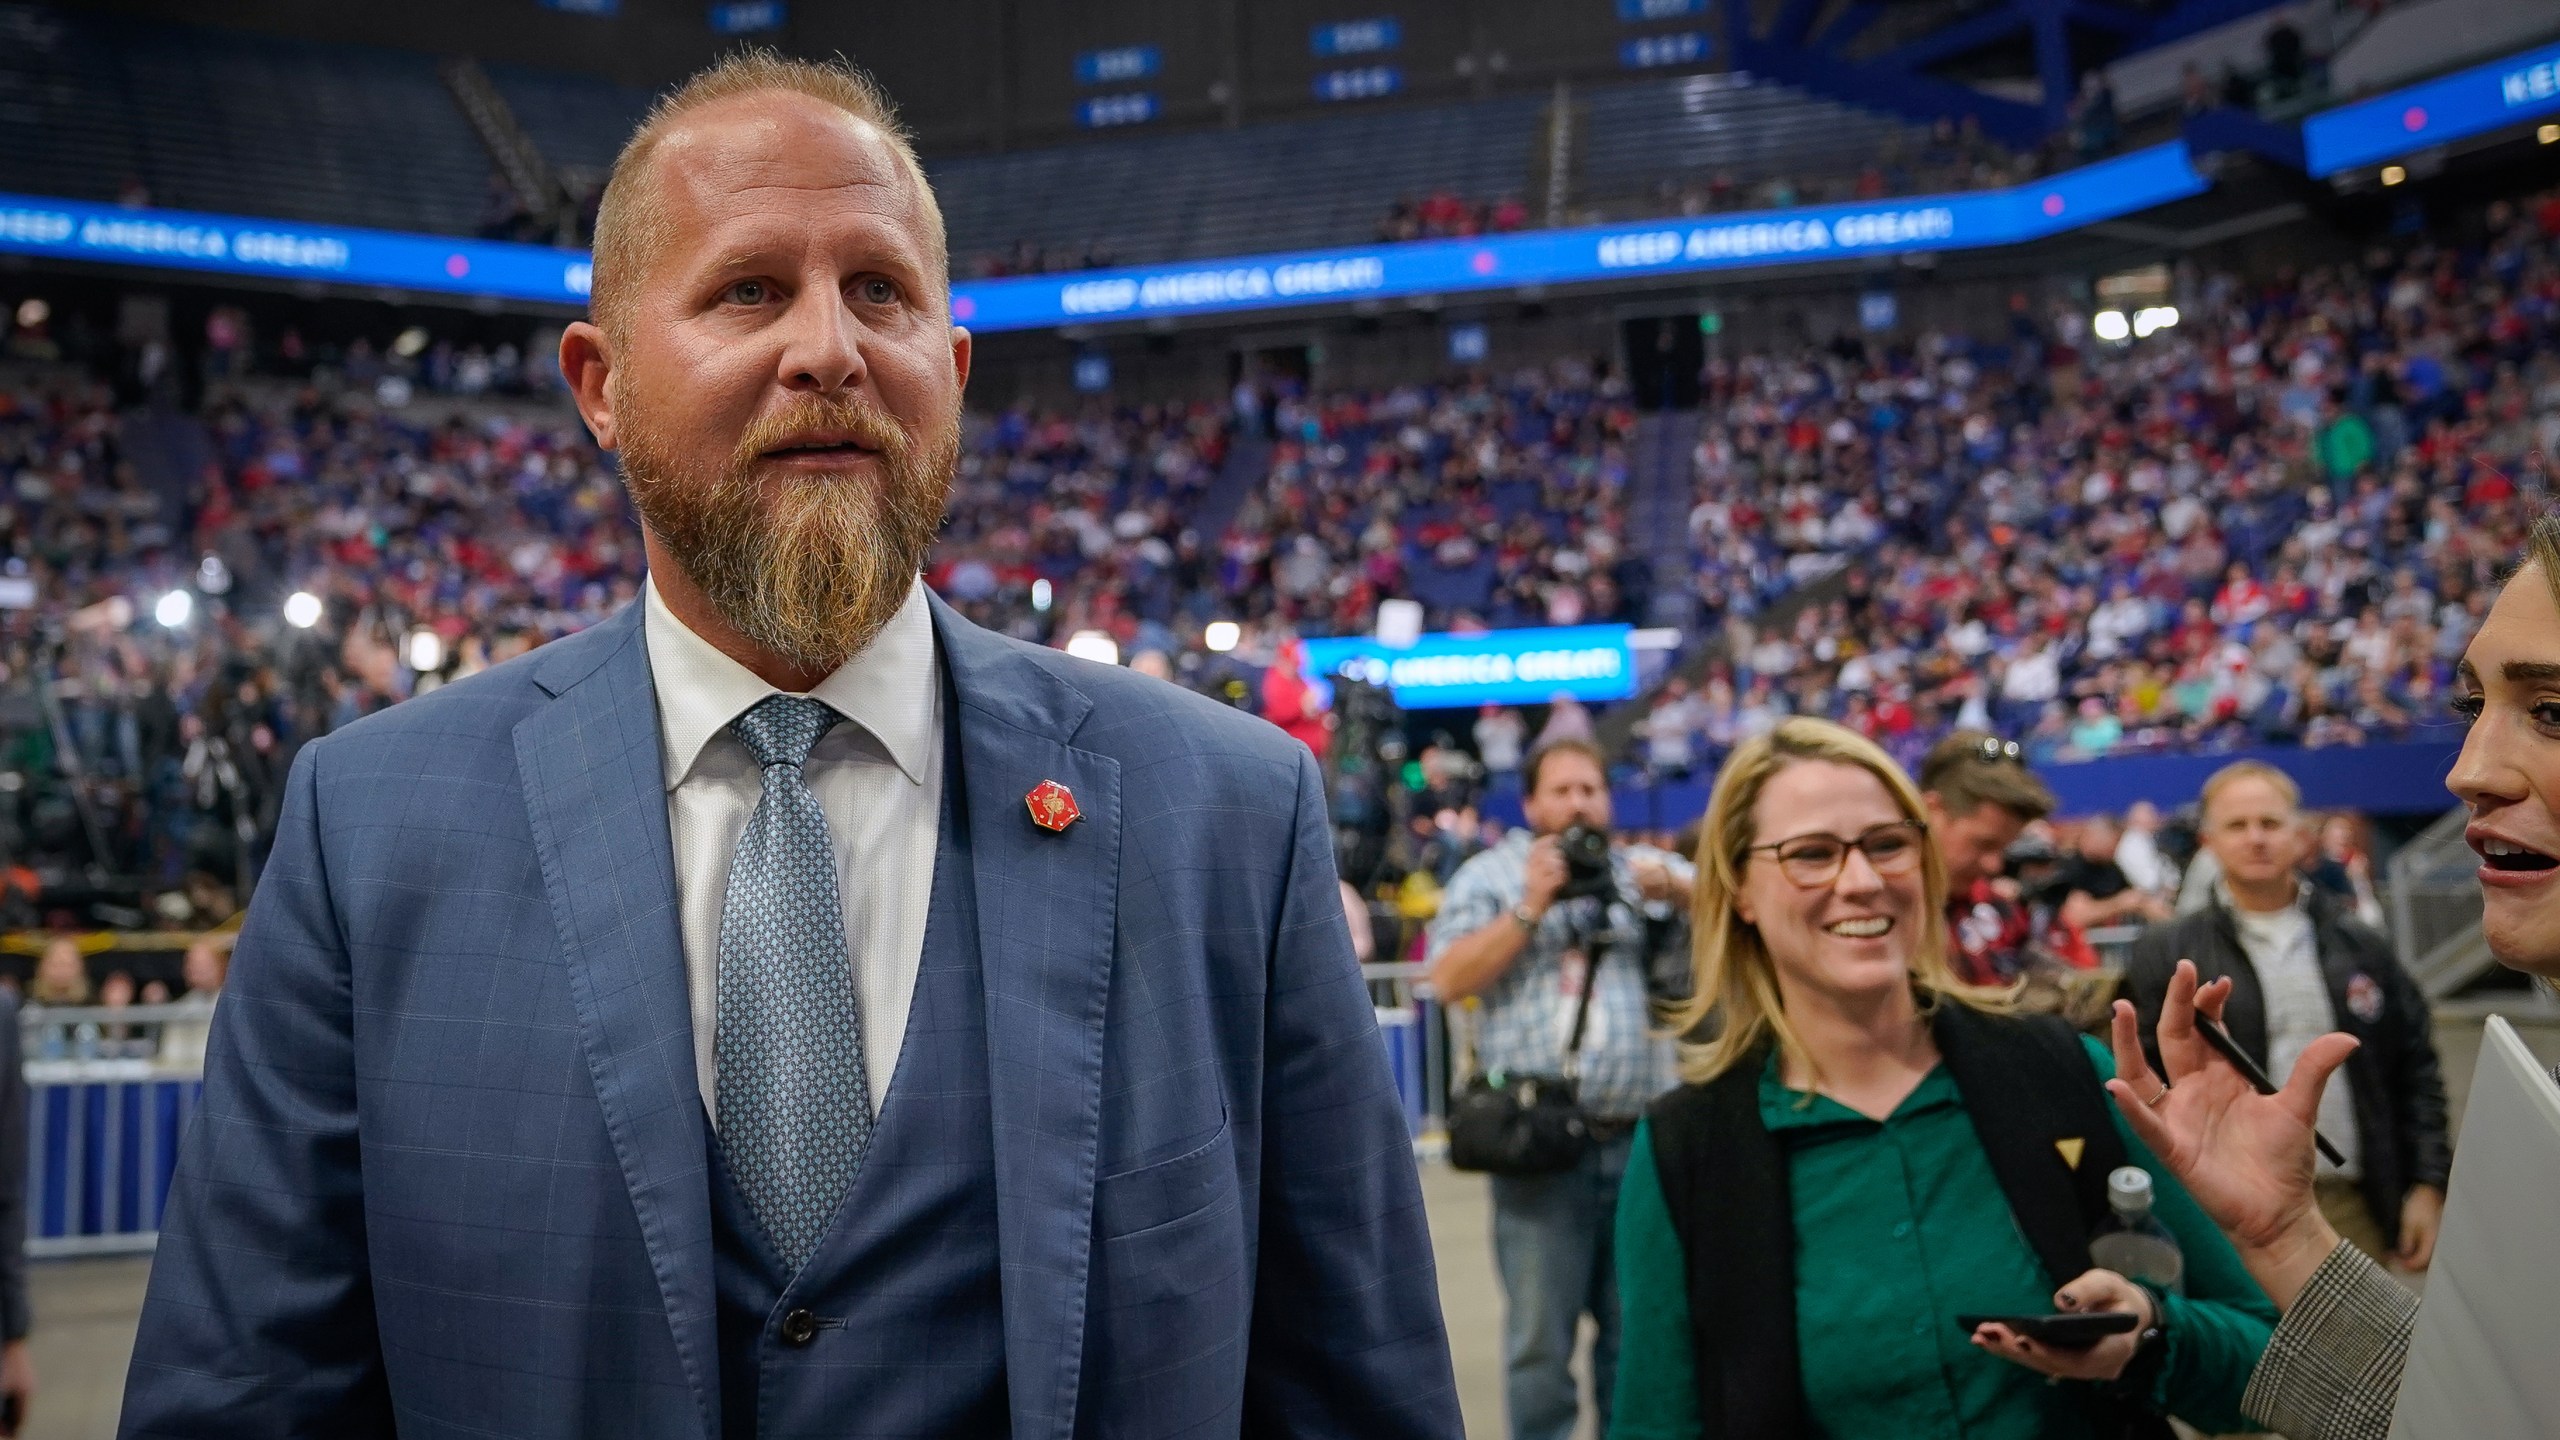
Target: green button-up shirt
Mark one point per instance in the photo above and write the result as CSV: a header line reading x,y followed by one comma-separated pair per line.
x,y
1901,1226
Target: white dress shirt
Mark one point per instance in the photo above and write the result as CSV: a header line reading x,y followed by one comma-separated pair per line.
x,y
878,778
2285,951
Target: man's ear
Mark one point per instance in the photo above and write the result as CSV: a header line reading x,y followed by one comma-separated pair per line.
x,y
586,362
963,348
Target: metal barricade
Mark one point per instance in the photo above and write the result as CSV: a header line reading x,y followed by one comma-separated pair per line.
x,y
108,1095
1414,1029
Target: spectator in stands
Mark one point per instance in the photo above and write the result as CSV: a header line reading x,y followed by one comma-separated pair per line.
x,y
115,1039
2138,852
20,885
1499,735
1503,940
206,966
2288,61
2095,128
2338,863
1355,914
2301,966
1845,1150
1291,703
2195,93
1980,798
62,975
1670,732
2090,891
1567,719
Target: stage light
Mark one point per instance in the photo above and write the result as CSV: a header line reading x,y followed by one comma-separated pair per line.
x,y
2547,134
2393,174
411,341
425,650
33,312
2155,317
1221,635
1040,597
302,610
1095,646
2110,325
174,609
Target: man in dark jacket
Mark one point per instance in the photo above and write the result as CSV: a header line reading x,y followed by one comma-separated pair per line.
x,y
2302,965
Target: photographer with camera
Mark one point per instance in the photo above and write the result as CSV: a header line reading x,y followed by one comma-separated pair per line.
x,y
1543,932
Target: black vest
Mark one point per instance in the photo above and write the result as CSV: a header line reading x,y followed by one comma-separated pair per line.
x,y
2026,1083
906,1328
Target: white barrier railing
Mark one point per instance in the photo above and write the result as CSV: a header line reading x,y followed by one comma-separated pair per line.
x,y
109,1091
1414,1028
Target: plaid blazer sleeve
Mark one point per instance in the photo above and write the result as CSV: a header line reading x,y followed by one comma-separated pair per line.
x,y
2332,1369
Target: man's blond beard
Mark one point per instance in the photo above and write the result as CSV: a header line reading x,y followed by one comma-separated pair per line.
x,y
809,566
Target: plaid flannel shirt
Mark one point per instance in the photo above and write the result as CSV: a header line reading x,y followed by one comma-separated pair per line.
x,y
1527,1016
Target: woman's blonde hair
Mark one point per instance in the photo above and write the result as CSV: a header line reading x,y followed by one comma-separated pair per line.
x,y
1736,980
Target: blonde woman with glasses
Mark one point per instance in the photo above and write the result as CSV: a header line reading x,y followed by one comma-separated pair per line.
x,y
1869,1149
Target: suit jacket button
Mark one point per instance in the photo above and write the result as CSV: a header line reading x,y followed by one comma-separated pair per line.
x,y
799,1328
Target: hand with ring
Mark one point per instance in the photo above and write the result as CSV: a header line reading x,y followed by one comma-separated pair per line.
x,y
2247,1158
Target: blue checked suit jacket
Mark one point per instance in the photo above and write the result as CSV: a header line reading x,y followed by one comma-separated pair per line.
x,y
448,1177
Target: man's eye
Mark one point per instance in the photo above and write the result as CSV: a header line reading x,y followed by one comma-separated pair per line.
x,y
877,291
749,292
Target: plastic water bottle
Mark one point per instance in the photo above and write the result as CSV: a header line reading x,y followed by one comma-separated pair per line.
x,y
2131,1241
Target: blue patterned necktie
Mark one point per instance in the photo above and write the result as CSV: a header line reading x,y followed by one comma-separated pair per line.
x,y
795,1104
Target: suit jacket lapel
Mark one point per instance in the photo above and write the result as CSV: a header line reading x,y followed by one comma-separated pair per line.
x,y
596,793
1047,907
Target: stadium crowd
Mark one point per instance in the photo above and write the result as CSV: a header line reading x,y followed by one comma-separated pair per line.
x,y
2272,523
2275,523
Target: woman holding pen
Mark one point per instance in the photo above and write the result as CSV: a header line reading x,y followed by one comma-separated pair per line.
x,y
2332,1370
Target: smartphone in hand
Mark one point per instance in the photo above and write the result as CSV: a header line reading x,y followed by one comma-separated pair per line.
x,y
2077,1331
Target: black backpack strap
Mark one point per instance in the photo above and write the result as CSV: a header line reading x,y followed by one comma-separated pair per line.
x,y
2037,1106
1724,1179
2038,1109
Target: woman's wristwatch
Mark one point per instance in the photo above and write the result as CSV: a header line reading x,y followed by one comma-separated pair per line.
x,y
1527,922
2150,1347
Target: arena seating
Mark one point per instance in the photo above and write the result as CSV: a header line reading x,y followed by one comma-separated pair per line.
x,y
577,121
222,121
208,119
1733,142
2275,523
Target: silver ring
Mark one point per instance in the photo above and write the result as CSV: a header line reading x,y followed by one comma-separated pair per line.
x,y
2154,1101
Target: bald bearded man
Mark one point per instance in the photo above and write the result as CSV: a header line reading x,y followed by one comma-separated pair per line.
x,y
786,1009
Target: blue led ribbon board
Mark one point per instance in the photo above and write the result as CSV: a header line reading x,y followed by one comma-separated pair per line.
x,y
291,250
1746,240
1492,667
346,255
2467,102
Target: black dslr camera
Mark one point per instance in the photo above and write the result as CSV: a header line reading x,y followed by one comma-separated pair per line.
x,y
1586,864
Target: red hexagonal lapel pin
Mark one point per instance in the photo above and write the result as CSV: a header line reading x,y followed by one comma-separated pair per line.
x,y
1053,806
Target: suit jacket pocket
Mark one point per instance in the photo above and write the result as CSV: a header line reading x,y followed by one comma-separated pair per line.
x,y
1170,1245
1152,1196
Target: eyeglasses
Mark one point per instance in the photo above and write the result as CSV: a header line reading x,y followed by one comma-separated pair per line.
x,y
1813,861
1995,751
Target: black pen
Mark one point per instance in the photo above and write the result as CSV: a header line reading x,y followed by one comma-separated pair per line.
x,y
2220,1039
